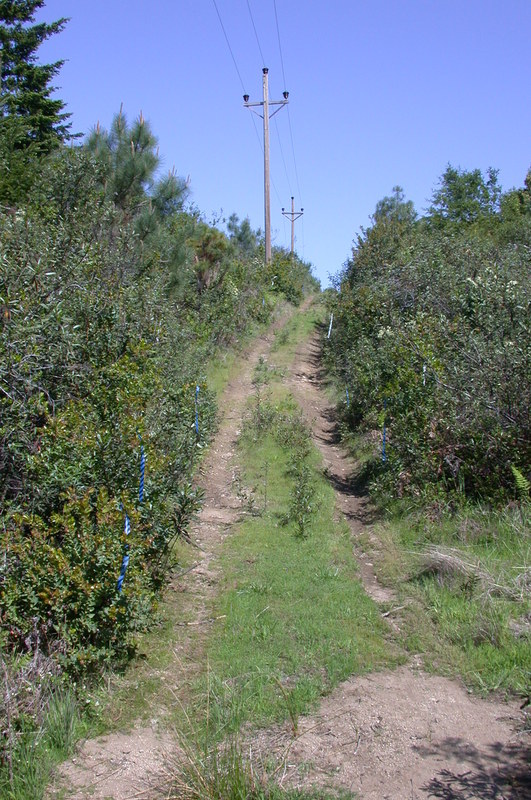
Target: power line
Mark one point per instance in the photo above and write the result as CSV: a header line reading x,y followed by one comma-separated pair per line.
x,y
286,172
276,192
294,159
237,70
279,45
289,116
256,33
283,159
228,44
260,145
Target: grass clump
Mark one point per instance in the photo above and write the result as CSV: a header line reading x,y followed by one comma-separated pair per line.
x,y
467,579
213,763
226,772
35,744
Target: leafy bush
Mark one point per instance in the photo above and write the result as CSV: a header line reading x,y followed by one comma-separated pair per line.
x,y
290,276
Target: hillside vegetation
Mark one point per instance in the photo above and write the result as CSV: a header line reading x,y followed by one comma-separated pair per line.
x,y
115,296
431,338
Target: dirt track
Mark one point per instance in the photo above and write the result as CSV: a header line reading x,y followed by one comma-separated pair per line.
x,y
401,734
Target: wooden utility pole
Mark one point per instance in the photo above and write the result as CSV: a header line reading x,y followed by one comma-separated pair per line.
x,y
266,116
293,215
267,183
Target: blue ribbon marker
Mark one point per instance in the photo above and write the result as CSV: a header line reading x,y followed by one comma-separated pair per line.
x,y
127,524
196,410
384,457
125,560
348,398
142,472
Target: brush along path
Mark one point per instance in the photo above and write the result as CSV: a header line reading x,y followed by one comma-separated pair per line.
x,y
402,734
130,763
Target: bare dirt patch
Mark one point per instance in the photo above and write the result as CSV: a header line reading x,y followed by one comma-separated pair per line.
x,y
404,734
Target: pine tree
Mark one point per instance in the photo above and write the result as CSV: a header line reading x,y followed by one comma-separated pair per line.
x,y
128,160
128,155
25,88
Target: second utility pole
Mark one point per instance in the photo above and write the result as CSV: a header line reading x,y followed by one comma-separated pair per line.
x,y
267,195
293,215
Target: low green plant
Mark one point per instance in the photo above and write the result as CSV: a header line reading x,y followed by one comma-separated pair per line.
x,y
37,744
281,338
521,483
262,413
264,372
302,497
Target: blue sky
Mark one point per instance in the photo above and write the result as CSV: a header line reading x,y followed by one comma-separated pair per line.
x,y
382,93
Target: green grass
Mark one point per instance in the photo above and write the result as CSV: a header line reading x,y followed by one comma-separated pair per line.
x,y
296,620
221,370
35,752
226,364
466,578
299,328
